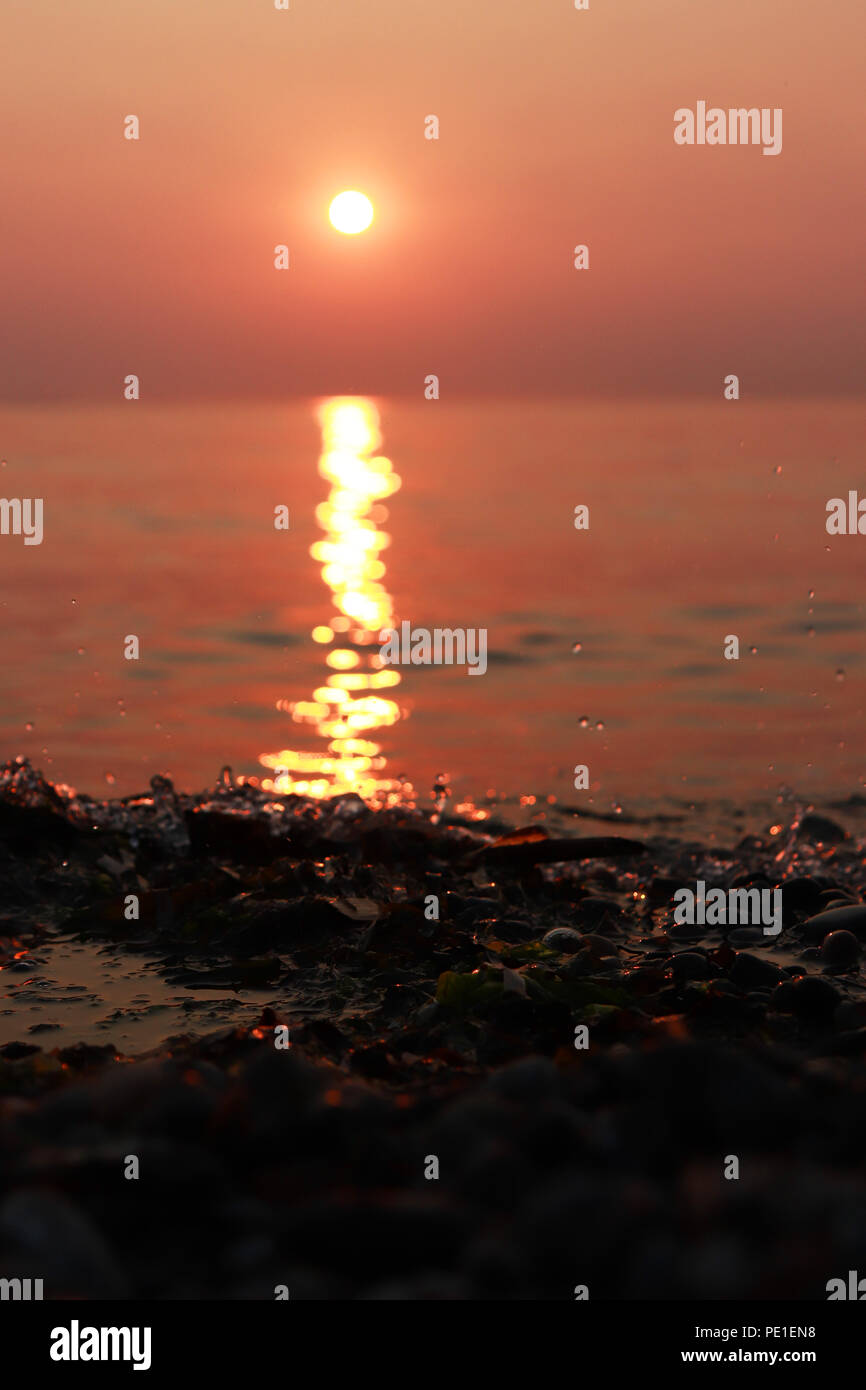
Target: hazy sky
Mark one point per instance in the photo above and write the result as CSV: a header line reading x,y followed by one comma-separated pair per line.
x,y
156,256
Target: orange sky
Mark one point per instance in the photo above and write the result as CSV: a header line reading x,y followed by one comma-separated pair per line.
x,y
156,257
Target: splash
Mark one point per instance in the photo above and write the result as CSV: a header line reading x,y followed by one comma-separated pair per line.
x,y
349,706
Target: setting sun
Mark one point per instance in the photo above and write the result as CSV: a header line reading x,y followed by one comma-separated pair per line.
x,y
351,212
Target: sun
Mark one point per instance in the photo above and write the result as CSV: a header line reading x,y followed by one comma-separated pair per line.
x,y
351,212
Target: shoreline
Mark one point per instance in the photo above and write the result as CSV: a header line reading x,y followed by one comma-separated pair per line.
x,y
520,1007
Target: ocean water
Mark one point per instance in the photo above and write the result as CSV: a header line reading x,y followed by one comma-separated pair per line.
x,y
605,646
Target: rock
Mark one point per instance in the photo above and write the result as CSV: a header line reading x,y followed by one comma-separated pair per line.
x,y
820,830
849,1044
802,895
599,912
81,1056
563,939
810,998
745,936
661,890
25,830
851,1014
840,948
232,835
696,1096
43,1232
747,881
849,919
599,947
526,1081
690,965
546,851
754,971
14,1051
514,929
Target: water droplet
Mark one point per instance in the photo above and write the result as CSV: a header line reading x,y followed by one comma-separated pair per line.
x,y
600,725
110,778
840,674
778,468
578,647
29,727
441,792
583,721
811,593
754,651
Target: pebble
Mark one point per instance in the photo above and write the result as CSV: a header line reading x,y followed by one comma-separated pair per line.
x,y
802,894
563,939
851,1013
840,948
528,1080
749,970
820,830
745,936
690,965
809,998
599,912
599,946
44,1232
849,919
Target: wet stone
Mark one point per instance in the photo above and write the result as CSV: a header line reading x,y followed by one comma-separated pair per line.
x,y
599,912
563,939
802,896
745,936
809,997
820,830
690,965
840,948
754,971
849,919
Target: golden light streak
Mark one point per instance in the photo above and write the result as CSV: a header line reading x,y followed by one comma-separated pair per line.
x,y
342,660
350,555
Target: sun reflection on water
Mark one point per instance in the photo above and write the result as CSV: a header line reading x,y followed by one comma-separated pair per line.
x,y
348,706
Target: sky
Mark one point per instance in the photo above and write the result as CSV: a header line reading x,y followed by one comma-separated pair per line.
x,y
155,256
